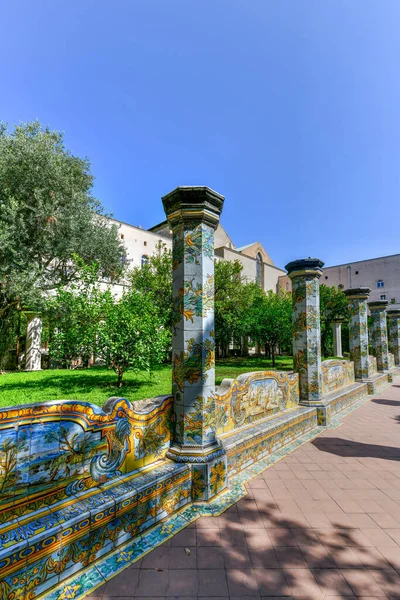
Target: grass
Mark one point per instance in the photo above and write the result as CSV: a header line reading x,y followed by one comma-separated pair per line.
x,y
97,384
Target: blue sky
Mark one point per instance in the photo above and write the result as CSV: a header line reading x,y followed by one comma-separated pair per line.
x,y
289,108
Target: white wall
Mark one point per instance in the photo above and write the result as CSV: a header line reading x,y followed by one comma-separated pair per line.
x,y
140,242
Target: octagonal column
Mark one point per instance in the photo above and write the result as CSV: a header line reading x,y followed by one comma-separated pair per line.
x,y
193,215
305,276
358,330
33,350
337,337
379,333
394,334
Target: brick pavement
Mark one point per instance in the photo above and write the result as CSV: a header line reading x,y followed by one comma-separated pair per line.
x,y
322,523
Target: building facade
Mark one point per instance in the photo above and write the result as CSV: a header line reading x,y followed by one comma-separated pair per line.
x,y
142,243
382,275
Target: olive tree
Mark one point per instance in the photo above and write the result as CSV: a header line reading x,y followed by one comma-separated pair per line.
x,y
48,214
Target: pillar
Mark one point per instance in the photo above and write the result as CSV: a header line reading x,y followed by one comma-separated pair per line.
x,y
394,334
358,330
379,333
337,337
33,349
305,275
193,215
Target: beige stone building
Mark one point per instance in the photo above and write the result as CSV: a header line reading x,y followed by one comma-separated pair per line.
x,y
257,264
382,275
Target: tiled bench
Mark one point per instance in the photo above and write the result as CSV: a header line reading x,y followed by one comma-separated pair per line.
x,y
377,382
246,445
337,401
43,548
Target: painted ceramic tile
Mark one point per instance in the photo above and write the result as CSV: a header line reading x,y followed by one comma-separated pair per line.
x,y
394,337
307,336
336,375
379,337
254,396
358,337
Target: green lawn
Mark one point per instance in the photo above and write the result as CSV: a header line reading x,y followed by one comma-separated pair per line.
x,y
97,384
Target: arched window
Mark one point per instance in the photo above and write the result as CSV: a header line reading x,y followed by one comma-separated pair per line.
x,y
145,259
259,269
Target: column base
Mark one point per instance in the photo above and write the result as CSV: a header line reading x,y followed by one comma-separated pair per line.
x,y
209,468
323,410
338,400
209,479
394,372
376,382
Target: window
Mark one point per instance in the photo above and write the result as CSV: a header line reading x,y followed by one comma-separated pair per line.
x,y
326,276
356,272
380,283
122,236
145,243
145,259
259,269
383,296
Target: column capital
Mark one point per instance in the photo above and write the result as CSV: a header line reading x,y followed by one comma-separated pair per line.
x,y
198,204
361,293
378,305
393,312
305,266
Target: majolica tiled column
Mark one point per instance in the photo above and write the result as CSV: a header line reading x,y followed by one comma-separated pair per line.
x,y
394,334
305,276
193,214
337,337
358,330
379,333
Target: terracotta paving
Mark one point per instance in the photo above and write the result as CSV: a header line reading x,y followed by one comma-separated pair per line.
x,y
322,523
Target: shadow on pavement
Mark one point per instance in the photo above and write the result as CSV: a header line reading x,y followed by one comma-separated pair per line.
x,y
342,447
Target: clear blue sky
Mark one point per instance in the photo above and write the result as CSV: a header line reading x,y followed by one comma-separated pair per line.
x,y
289,108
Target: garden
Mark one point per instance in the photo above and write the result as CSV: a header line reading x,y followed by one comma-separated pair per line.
x,y
97,384
61,258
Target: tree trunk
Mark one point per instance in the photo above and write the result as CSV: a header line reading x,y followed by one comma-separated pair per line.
x,y
120,376
18,346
